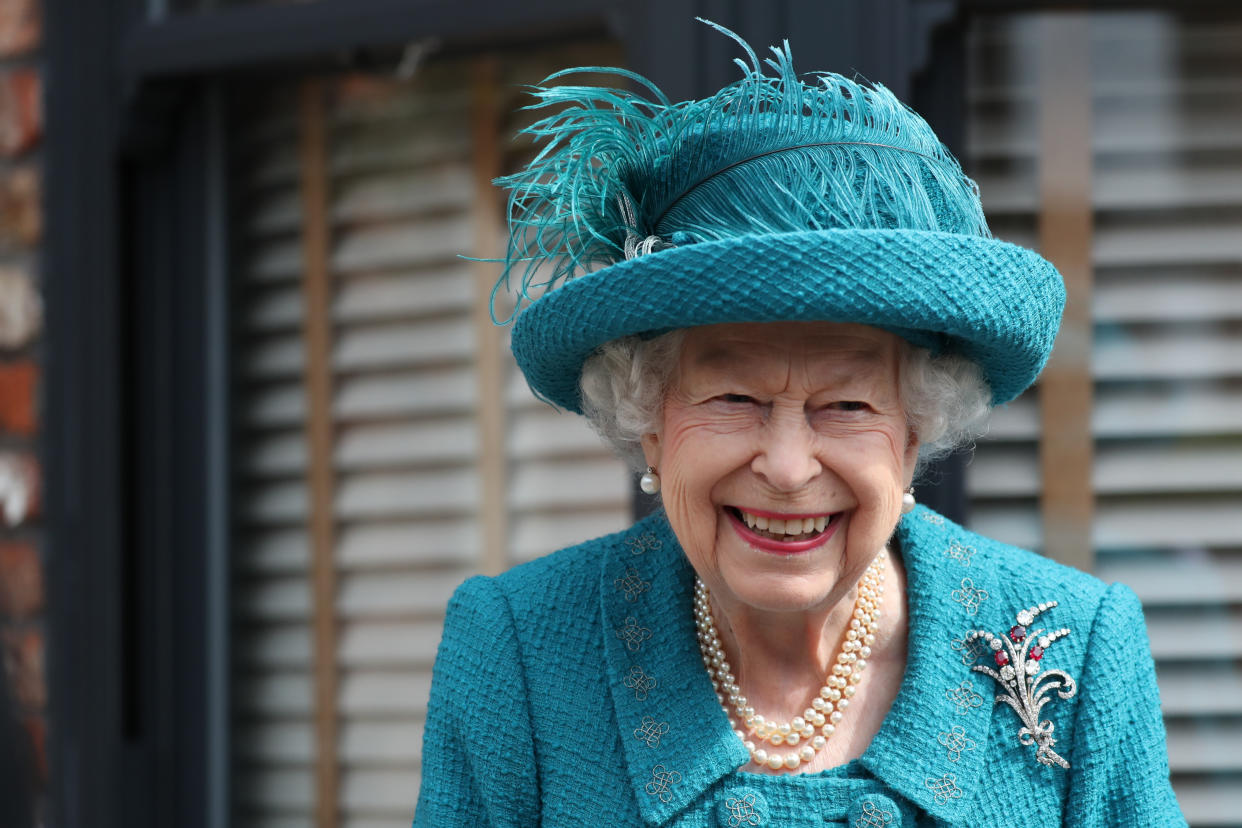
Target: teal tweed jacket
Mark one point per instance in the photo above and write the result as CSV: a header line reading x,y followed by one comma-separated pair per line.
x,y
569,691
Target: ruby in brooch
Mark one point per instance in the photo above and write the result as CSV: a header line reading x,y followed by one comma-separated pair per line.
x,y
1002,658
1037,652
1017,633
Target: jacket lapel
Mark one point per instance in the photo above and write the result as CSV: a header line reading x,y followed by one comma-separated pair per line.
x,y
675,738
932,744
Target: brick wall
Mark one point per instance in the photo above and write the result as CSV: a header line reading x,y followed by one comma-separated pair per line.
x,y
22,611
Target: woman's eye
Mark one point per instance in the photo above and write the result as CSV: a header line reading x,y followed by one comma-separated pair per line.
x,y
736,398
850,405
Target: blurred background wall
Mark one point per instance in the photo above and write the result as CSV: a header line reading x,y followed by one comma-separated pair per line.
x,y
278,427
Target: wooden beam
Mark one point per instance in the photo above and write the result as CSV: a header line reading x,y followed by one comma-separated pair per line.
x,y
1065,235
317,335
492,466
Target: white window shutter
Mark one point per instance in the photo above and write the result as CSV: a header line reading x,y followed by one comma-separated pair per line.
x,y
406,458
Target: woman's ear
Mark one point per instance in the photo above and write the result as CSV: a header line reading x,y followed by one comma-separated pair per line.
x,y
652,449
910,459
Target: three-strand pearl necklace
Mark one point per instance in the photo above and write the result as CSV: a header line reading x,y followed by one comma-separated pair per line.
x,y
812,730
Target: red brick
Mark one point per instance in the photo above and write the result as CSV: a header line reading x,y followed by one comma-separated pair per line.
x,y
21,208
18,381
21,26
23,656
21,580
21,111
21,309
18,384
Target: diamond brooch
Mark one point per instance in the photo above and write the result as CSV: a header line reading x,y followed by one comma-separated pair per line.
x,y
1017,655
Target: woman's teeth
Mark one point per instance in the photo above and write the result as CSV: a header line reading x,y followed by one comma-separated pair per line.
x,y
784,529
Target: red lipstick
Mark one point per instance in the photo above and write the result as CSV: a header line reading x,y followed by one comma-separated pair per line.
x,y
781,547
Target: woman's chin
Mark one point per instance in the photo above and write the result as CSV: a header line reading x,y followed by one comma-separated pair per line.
x,y
776,593
781,582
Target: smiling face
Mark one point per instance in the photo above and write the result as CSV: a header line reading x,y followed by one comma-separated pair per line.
x,y
783,452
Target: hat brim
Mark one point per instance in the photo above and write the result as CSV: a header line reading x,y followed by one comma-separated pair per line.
x,y
996,303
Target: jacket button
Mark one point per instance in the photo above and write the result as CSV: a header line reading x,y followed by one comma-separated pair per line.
x,y
874,811
742,808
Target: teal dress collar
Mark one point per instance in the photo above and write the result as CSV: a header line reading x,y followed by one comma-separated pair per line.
x,y
677,741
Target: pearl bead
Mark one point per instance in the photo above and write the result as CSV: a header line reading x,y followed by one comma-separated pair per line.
x,y
776,761
792,761
798,723
649,482
807,753
817,742
828,730
835,718
760,756
792,739
749,745
777,738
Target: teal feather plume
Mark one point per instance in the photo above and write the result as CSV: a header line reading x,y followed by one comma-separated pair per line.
x,y
624,172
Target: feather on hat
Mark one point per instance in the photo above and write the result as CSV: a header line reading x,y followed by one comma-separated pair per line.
x,y
781,197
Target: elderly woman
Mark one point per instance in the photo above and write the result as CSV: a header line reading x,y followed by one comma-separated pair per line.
x,y
778,301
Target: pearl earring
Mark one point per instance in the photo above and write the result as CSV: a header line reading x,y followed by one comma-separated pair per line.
x,y
907,501
649,482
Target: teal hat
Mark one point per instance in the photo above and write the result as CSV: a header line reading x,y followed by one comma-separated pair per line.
x,y
780,198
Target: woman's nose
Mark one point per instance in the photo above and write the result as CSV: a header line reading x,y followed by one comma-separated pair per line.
x,y
786,458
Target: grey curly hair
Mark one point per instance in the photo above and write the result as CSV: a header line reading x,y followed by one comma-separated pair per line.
x,y
946,398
